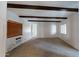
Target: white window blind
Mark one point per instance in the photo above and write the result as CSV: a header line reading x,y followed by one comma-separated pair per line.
x,y
53,29
63,29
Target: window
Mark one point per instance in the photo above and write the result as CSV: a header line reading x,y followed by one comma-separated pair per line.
x,y
27,27
63,29
34,29
53,29
31,28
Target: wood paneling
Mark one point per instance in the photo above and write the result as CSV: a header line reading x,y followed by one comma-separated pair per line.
x,y
13,29
21,6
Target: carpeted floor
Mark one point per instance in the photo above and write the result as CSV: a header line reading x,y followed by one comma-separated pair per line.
x,y
44,47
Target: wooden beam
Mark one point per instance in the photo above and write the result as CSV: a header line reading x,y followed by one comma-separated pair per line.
x,y
43,17
42,21
21,6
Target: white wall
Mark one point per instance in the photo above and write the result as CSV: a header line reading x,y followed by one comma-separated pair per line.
x,y
13,16
40,29
75,30
66,37
44,29
26,35
71,37
11,42
3,23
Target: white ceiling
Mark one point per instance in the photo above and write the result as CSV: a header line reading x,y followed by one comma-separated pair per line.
x,y
69,4
48,13
32,12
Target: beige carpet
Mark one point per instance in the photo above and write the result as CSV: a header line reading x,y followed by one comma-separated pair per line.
x,y
44,47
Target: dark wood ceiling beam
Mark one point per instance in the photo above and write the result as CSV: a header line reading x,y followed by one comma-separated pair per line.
x,y
21,6
42,21
43,17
